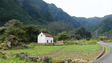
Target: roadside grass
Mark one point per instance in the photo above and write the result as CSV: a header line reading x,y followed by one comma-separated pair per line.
x,y
107,49
108,42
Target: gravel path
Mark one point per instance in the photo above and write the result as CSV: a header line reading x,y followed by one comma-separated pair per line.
x,y
108,57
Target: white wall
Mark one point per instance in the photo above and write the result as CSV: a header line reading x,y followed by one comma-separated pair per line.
x,y
49,39
41,38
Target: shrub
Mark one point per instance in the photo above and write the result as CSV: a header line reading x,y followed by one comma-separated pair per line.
x,y
12,38
82,42
71,43
100,38
88,39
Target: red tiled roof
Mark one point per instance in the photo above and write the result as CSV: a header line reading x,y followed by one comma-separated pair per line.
x,y
48,35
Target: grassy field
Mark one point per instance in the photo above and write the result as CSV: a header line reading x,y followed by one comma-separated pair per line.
x,y
37,50
14,60
86,52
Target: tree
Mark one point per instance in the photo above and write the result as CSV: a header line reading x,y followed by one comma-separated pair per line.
x,y
27,33
80,33
13,23
31,32
13,27
2,30
45,31
15,31
58,27
63,36
88,35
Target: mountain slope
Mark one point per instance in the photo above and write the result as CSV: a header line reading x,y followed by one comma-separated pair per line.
x,y
63,16
83,21
88,22
103,28
27,11
95,20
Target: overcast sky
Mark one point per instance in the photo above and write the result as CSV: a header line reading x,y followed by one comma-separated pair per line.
x,y
84,8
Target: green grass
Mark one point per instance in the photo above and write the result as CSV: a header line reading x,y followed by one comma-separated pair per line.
x,y
82,48
38,50
109,42
107,49
85,52
57,52
13,60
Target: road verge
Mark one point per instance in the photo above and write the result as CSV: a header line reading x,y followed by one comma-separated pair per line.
x,y
101,54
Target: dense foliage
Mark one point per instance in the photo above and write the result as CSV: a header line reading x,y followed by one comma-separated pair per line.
x,y
27,11
28,33
63,36
58,27
33,12
80,33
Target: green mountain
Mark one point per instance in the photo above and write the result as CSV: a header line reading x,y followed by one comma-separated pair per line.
x,y
95,20
103,28
33,12
62,16
83,21
57,27
27,11
88,22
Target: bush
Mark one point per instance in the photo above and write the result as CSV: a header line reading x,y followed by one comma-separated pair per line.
x,y
82,42
2,39
71,43
100,38
12,38
55,39
88,39
58,43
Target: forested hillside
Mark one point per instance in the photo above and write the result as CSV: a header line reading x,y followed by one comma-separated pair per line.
x,y
27,11
57,27
28,33
59,14
33,12
83,21
88,22
50,17
103,28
